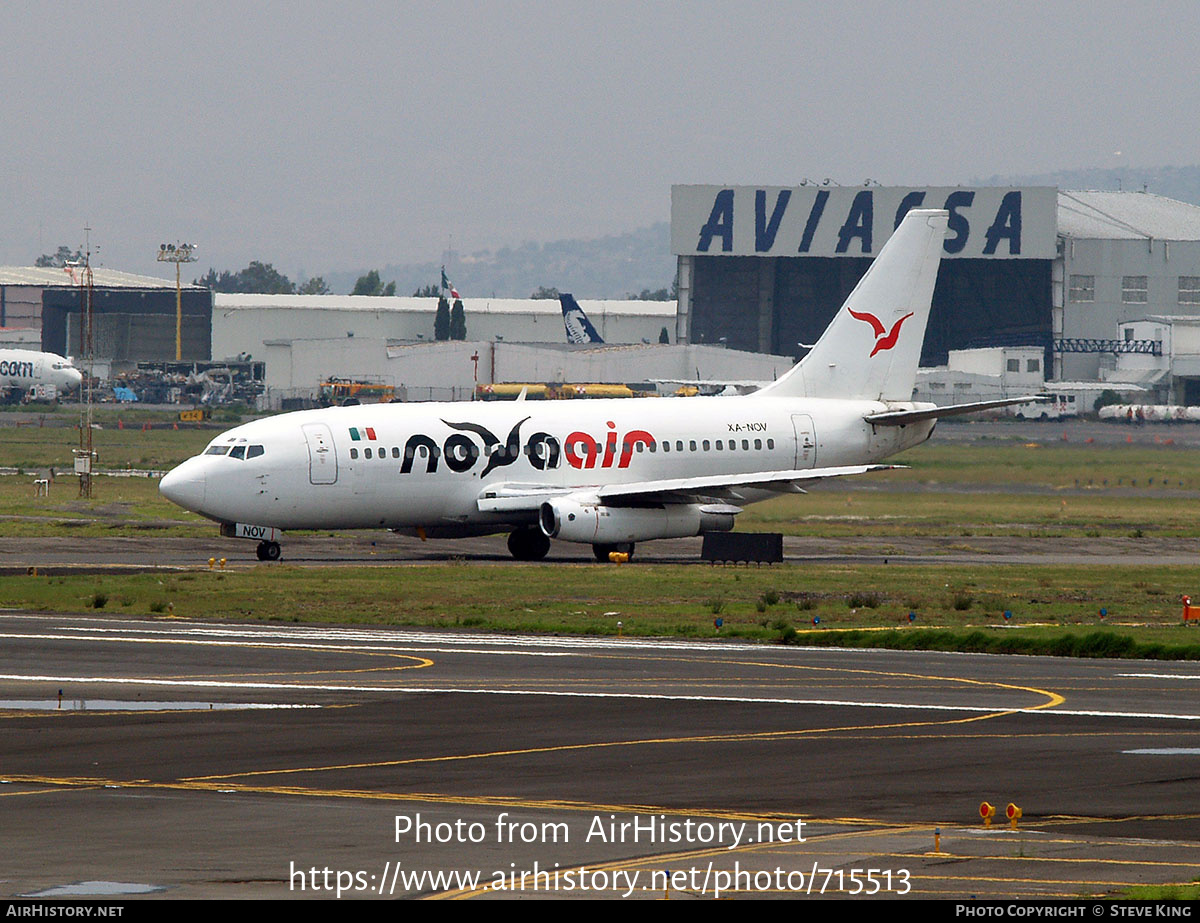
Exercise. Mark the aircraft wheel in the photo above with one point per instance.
(269, 551)
(601, 552)
(528, 544)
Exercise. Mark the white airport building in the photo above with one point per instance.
(243, 322)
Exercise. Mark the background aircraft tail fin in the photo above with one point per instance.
(579, 328)
(872, 347)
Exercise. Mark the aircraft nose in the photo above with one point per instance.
(185, 485)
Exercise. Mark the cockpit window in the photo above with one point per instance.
(254, 451)
(216, 450)
(238, 451)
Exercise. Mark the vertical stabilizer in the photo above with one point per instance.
(579, 328)
(872, 347)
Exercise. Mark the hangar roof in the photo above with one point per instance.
(1126, 216)
(239, 302)
(51, 276)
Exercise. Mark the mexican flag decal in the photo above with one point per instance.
(359, 433)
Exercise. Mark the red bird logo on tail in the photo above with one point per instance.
(884, 338)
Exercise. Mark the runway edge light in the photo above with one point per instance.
(987, 812)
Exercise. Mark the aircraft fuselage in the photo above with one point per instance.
(426, 465)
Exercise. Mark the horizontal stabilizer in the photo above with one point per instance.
(903, 417)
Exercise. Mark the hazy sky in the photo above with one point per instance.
(335, 136)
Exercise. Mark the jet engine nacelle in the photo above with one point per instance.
(609, 525)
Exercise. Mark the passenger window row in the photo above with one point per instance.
(381, 453)
(704, 445)
(718, 445)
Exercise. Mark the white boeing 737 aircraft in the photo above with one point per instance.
(607, 473)
(24, 369)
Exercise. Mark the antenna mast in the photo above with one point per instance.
(85, 455)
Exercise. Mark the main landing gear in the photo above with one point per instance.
(268, 551)
(602, 551)
(528, 544)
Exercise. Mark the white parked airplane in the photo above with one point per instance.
(23, 369)
(603, 472)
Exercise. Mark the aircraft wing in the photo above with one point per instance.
(902, 417)
(507, 498)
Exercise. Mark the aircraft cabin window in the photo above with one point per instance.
(770, 443)
(640, 447)
(216, 450)
(745, 445)
(705, 444)
(720, 445)
(238, 451)
(254, 451)
(732, 444)
(651, 447)
(758, 445)
(354, 453)
(679, 445)
(395, 451)
(367, 453)
(692, 444)
(666, 445)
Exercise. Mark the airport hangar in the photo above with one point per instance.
(764, 268)
(133, 316)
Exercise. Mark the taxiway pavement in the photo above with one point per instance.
(212, 760)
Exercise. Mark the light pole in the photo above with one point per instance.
(177, 254)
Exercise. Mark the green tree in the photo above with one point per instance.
(441, 321)
(215, 282)
(646, 295)
(264, 279)
(314, 286)
(257, 278)
(543, 292)
(427, 291)
(60, 258)
(458, 321)
(371, 284)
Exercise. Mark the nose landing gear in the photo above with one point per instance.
(268, 551)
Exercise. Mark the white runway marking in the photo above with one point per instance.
(392, 641)
(466, 690)
(1166, 751)
(1157, 676)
